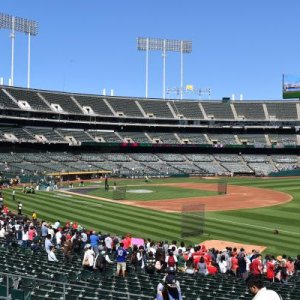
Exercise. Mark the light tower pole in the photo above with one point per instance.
(164, 45)
(21, 25)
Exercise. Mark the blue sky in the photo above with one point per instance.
(239, 47)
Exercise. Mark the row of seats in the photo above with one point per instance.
(59, 135)
(140, 164)
(42, 278)
(14, 98)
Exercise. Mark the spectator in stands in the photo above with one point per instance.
(51, 254)
(190, 269)
(169, 288)
(234, 263)
(141, 258)
(94, 240)
(202, 266)
(223, 266)
(256, 287)
(88, 258)
(101, 261)
(297, 264)
(242, 264)
(256, 266)
(150, 263)
(48, 243)
(67, 250)
(171, 260)
(270, 264)
(121, 260)
(181, 264)
(290, 266)
(108, 243)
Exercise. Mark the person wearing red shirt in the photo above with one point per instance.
(256, 265)
(212, 270)
(234, 263)
(270, 268)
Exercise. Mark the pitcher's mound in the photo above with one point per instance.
(220, 245)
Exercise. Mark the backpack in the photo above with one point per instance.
(133, 259)
(171, 261)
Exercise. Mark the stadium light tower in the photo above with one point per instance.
(164, 45)
(29, 27)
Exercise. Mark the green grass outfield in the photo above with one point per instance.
(157, 192)
(251, 226)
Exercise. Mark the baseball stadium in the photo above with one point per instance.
(83, 176)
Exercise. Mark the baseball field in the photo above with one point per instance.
(249, 213)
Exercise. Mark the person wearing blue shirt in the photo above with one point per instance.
(94, 241)
(121, 254)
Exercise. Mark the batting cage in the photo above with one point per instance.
(192, 220)
(222, 188)
(119, 192)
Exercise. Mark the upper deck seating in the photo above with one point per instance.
(282, 110)
(125, 106)
(6, 102)
(218, 110)
(136, 137)
(31, 97)
(284, 139)
(48, 133)
(63, 100)
(156, 108)
(187, 109)
(249, 110)
(224, 139)
(108, 137)
(258, 140)
(96, 103)
(164, 137)
(79, 135)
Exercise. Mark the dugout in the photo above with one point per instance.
(85, 175)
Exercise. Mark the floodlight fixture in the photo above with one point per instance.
(164, 45)
(14, 24)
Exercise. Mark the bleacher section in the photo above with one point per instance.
(187, 110)
(249, 111)
(193, 138)
(163, 137)
(218, 110)
(49, 133)
(135, 137)
(63, 100)
(282, 110)
(30, 97)
(6, 102)
(95, 103)
(126, 107)
(156, 109)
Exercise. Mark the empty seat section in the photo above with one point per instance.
(282, 110)
(156, 108)
(187, 109)
(218, 110)
(224, 139)
(30, 97)
(48, 133)
(63, 100)
(109, 137)
(258, 140)
(6, 102)
(79, 135)
(193, 138)
(250, 110)
(163, 137)
(124, 106)
(284, 139)
(137, 137)
(97, 104)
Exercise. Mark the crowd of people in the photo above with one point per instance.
(99, 250)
